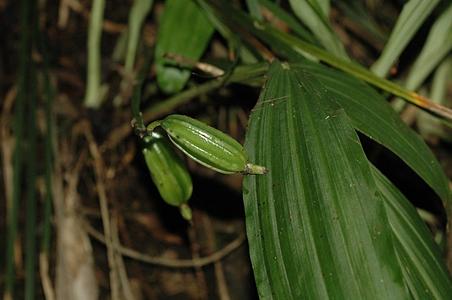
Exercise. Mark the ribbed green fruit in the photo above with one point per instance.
(168, 172)
(207, 145)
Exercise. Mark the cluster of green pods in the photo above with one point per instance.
(168, 172)
(207, 145)
(202, 143)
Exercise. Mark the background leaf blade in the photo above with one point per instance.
(314, 14)
(180, 19)
(411, 18)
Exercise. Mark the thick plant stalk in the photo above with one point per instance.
(75, 277)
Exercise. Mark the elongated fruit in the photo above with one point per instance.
(207, 145)
(168, 172)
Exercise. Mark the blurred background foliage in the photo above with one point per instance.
(80, 216)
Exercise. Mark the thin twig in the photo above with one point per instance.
(75, 272)
(64, 10)
(74, 5)
(223, 292)
(195, 247)
(169, 262)
(186, 62)
(122, 272)
(47, 287)
(7, 144)
(98, 168)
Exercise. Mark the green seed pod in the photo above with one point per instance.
(207, 145)
(168, 172)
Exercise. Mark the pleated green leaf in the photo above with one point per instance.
(423, 270)
(372, 115)
(316, 223)
(183, 30)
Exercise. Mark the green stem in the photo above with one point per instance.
(93, 96)
(251, 169)
(152, 126)
(137, 16)
(241, 74)
(137, 92)
(250, 74)
(186, 212)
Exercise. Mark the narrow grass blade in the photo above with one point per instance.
(175, 35)
(232, 39)
(49, 94)
(356, 11)
(317, 214)
(437, 46)
(314, 14)
(254, 9)
(291, 21)
(31, 213)
(18, 158)
(428, 126)
(411, 18)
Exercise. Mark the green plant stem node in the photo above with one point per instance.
(251, 169)
(186, 212)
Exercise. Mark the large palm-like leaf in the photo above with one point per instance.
(317, 223)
